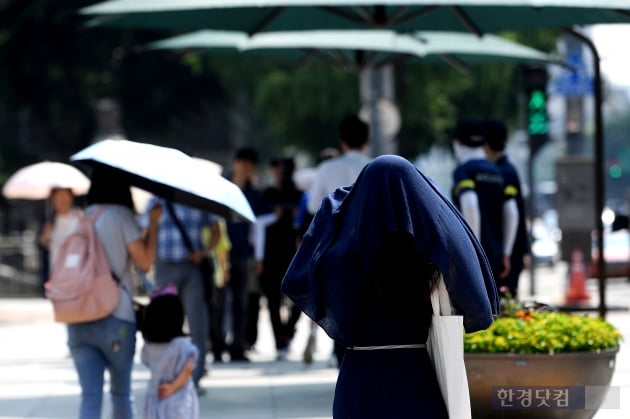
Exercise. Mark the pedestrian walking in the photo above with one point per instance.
(243, 285)
(495, 139)
(365, 271)
(277, 240)
(109, 343)
(63, 221)
(218, 308)
(170, 356)
(480, 193)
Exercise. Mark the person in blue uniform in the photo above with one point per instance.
(480, 194)
(364, 272)
(495, 138)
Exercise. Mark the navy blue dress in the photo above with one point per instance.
(390, 383)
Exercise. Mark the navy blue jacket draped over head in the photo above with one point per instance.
(330, 273)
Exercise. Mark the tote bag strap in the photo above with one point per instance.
(440, 301)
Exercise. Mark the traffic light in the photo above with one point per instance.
(537, 121)
(535, 79)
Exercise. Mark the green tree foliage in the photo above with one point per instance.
(174, 100)
(53, 68)
(290, 106)
(39, 77)
(432, 97)
(299, 106)
(305, 104)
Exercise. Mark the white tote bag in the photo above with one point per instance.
(446, 350)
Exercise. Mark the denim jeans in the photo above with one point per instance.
(109, 344)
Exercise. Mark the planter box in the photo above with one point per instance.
(488, 371)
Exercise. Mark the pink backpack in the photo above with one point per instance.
(82, 287)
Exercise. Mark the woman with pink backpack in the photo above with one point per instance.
(109, 343)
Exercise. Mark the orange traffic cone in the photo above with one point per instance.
(577, 278)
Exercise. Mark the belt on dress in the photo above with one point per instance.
(378, 348)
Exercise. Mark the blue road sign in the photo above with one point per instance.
(574, 81)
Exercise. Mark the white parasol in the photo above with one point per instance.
(171, 174)
(35, 181)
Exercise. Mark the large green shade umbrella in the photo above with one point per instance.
(360, 48)
(479, 16)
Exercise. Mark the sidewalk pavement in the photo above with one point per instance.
(37, 379)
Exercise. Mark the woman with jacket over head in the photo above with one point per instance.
(365, 271)
(109, 343)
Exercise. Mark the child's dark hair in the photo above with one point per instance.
(163, 319)
(402, 275)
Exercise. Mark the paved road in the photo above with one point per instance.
(37, 379)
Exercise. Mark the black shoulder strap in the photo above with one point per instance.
(180, 227)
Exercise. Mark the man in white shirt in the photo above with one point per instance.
(343, 170)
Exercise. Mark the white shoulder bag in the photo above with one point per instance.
(446, 350)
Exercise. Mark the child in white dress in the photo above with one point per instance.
(171, 358)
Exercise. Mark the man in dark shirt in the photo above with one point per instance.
(495, 138)
(479, 193)
(243, 282)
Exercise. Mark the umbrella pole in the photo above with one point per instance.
(599, 168)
